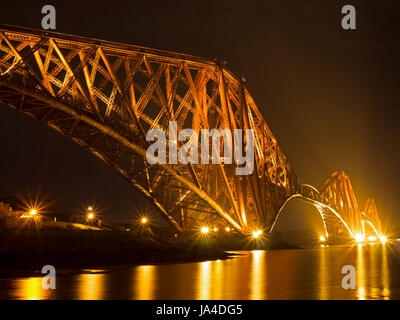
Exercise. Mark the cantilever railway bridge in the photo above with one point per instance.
(106, 96)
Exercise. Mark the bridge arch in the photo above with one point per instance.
(332, 220)
(299, 204)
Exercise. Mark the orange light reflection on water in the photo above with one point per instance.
(91, 286)
(279, 274)
(31, 289)
(144, 282)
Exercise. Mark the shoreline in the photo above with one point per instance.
(26, 252)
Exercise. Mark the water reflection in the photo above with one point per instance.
(258, 272)
(360, 268)
(219, 278)
(144, 282)
(30, 289)
(373, 273)
(204, 280)
(373, 283)
(279, 274)
(323, 273)
(91, 286)
(385, 273)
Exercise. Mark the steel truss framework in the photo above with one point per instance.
(106, 96)
(338, 205)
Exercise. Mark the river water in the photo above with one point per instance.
(278, 274)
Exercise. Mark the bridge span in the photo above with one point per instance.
(106, 96)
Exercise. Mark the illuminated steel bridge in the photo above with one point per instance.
(106, 96)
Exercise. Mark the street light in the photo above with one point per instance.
(383, 239)
(33, 212)
(90, 216)
(144, 220)
(205, 230)
(359, 237)
(256, 234)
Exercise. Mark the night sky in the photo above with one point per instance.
(329, 95)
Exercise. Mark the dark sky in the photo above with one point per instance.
(330, 96)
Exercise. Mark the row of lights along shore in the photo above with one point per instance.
(34, 213)
(360, 238)
(256, 234)
(90, 215)
(206, 230)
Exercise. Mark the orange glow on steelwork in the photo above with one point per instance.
(381, 237)
(203, 79)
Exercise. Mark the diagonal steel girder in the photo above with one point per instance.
(126, 142)
(84, 77)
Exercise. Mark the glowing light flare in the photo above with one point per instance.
(383, 239)
(371, 238)
(144, 220)
(227, 229)
(322, 239)
(205, 230)
(256, 234)
(90, 216)
(215, 229)
(31, 213)
(34, 207)
(359, 237)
